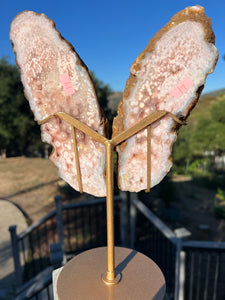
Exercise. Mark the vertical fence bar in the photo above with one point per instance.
(191, 276)
(200, 254)
(133, 216)
(182, 275)
(207, 277)
(45, 234)
(58, 202)
(39, 251)
(16, 254)
(23, 251)
(56, 255)
(177, 267)
(32, 249)
(216, 276)
(69, 230)
(83, 227)
(124, 219)
(90, 228)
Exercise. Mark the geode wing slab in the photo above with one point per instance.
(168, 75)
(56, 80)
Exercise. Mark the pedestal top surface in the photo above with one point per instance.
(81, 278)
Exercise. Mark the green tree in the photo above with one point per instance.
(103, 91)
(209, 133)
(182, 150)
(19, 134)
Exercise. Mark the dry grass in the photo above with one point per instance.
(195, 207)
(29, 182)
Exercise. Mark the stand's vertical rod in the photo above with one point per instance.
(110, 275)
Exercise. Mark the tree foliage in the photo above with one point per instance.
(103, 91)
(208, 134)
(210, 131)
(182, 149)
(18, 131)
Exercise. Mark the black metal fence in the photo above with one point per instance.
(31, 247)
(205, 271)
(82, 227)
(151, 242)
(193, 270)
(35, 247)
(40, 288)
(85, 227)
(154, 239)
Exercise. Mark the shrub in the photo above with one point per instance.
(219, 204)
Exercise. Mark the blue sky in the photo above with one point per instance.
(109, 35)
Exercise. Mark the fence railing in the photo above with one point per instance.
(193, 270)
(157, 241)
(32, 246)
(39, 288)
(204, 270)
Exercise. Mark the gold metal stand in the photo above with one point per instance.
(110, 277)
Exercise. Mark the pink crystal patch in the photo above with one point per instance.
(67, 84)
(182, 87)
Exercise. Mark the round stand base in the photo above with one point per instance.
(140, 277)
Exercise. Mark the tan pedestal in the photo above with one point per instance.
(81, 278)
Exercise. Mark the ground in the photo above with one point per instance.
(188, 205)
(30, 183)
(195, 207)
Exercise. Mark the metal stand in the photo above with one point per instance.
(110, 278)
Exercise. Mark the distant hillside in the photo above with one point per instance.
(202, 107)
(212, 94)
(114, 100)
(204, 104)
